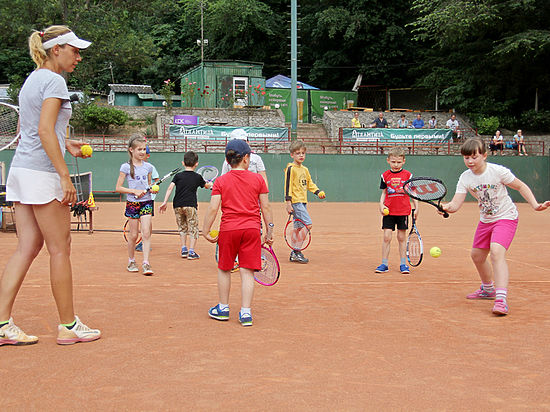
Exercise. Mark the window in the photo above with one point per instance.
(240, 88)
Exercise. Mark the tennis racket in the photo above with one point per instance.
(415, 247)
(125, 230)
(208, 173)
(427, 189)
(270, 272)
(166, 176)
(297, 235)
(9, 124)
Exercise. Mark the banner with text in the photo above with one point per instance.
(388, 135)
(223, 132)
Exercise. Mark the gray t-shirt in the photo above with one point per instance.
(39, 86)
(139, 181)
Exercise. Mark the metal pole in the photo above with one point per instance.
(293, 68)
(202, 31)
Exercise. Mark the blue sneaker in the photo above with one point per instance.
(246, 319)
(193, 255)
(404, 269)
(381, 269)
(218, 314)
(184, 252)
(139, 247)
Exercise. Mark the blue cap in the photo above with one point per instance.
(238, 146)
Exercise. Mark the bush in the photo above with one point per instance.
(536, 121)
(487, 125)
(93, 117)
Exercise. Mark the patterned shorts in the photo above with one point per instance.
(187, 220)
(134, 210)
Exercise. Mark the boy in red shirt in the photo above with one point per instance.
(398, 203)
(241, 194)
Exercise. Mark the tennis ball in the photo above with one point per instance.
(155, 188)
(435, 252)
(386, 211)
(86, 150)
(213, 233)
(321, 195)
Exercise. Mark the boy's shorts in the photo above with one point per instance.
(501, 232)
(300, 212)
(246, 243)
(390, 222)
(135, 210)
(187, 220)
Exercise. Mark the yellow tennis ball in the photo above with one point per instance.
(435, 252)
(213, 233)
(155, 188)
(386, 211)
(321, 195)
(86, 150)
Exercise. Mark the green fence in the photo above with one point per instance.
(345, 178)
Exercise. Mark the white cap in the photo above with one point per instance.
(238, 134)
(67, 38)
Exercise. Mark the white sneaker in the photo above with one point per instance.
(79, 333)
(11, 334)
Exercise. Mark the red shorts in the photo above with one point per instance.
(501, 232)
(246, 243)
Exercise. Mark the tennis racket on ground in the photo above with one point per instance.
(297, 235)
(208, 173)
(166, 176)
(427, 189)
(270, 272)
(415, 247)
(9, 124)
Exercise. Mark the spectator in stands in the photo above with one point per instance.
(355, 120)
(432, 123)
(380, 122)
(402, 123)
(518, 139)
(453, 124)
(497, 143)
(418, 123)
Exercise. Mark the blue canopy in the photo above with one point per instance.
(283, 82)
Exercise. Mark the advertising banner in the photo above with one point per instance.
(388, 135)
(223, 132)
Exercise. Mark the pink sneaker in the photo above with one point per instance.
(481, 294)
(500, 308)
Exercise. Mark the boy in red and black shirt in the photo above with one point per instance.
(398, 208)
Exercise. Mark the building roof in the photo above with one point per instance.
(283, 82)
(131, 88)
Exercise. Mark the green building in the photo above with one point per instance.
(222, 83)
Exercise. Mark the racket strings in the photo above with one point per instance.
(426, 189)
(8, 121)
(269, 272)
(414, 249)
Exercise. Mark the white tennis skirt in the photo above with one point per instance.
(33, 187)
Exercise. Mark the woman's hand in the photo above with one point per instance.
(69, 191)
(75, 147)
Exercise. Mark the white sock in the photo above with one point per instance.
(490, 287)
(223, 306)
(501, 294)
(245, 311)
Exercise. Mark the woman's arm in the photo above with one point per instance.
(528, 195)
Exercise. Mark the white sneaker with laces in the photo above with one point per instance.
(11, 334)
(79, 333)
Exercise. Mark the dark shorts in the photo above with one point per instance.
(135, 210)
(389, 222)
(246, 243)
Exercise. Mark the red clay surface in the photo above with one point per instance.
(331, 335)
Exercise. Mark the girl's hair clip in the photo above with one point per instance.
(41, 33)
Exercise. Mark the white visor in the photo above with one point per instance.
(67, 38)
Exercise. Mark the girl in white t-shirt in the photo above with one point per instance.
(487, 182)
(139, 203)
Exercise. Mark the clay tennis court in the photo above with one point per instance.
(331, 335)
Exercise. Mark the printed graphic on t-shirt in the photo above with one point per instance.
(486, 195)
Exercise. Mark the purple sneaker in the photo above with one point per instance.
(500, 308)
(482, 294)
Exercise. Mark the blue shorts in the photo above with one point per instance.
(135, 210)
(300, 212)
